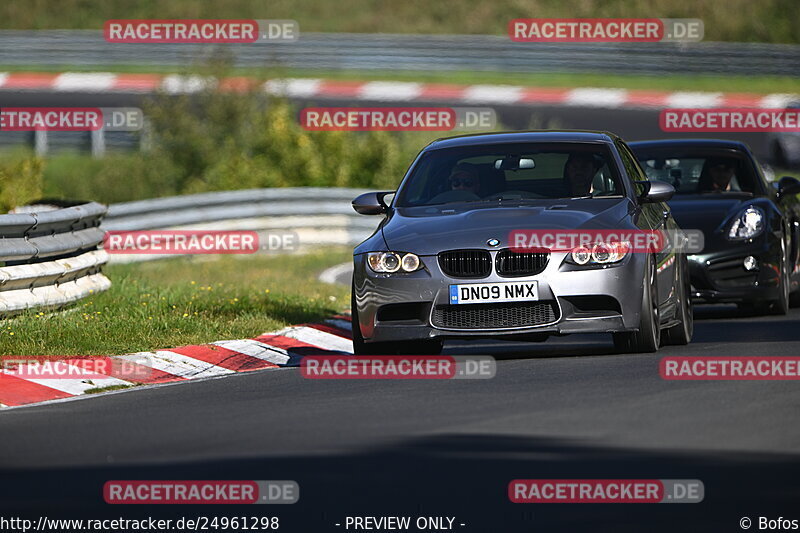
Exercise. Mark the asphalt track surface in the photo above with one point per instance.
(565, 408)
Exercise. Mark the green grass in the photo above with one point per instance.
(732, 20)
(183, 301)
(99, 390)
(662, 82)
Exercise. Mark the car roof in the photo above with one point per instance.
(523, 137)
(700, 143)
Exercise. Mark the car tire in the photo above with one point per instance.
(681, 334)
(360, 347)
(648, 337)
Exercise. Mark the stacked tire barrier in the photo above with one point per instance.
(317, 216)
(51, 257)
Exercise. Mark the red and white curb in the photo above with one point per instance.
(284, 348)
(389, 91)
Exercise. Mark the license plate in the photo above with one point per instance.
(481, 293)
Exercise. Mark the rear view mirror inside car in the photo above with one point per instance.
(514, 163)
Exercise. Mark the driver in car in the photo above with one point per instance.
(464, 178)
(717, 176)
(579, 171)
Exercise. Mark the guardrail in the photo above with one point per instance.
(51, 257)
(358, 51)
(317, 215)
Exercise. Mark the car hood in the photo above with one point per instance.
(706, 212)
(428, 230)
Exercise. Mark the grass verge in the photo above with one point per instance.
(99, 390)
(184, 301)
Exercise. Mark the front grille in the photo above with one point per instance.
(731, 274)
(491, 316)
(465, 263)
(512, 264)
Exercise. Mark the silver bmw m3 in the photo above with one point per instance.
(520, 236)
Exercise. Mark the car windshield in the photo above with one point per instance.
(698, 171)
(512, 172)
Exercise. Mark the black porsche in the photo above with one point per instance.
(751, 226)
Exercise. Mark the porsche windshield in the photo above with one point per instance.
(699, 171)
(499, 172)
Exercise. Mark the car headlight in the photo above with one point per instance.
(600, 253)
(747, 224)
(388, 262)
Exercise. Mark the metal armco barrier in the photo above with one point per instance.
(411, 52)
(51, 257)
(318, 215)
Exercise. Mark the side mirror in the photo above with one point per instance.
(371, 203)
(657, 191)
(788, 186)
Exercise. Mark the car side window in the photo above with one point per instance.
(632, 168)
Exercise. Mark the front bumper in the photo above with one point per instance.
(395, 307)
(720, 276)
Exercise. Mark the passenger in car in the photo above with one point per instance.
(716, 176)
(579, 170)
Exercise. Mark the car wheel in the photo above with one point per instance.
(681, 334)
(648, 338)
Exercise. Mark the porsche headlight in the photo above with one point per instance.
(600, 253)
(747, 224)
(389, 262)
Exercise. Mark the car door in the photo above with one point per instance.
(654, 216)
